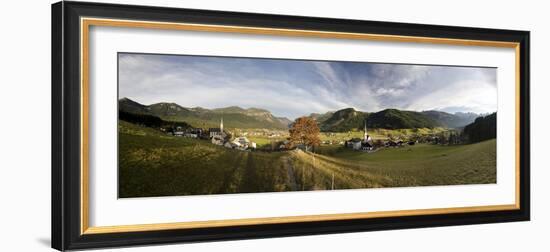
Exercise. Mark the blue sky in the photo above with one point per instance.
(293, 88)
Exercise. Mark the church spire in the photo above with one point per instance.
(366, 136)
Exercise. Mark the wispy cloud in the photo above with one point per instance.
(294, 88)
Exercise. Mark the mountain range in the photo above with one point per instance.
(234, 117)
(336, 121)
(349, 118)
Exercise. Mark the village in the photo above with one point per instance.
(218, 136)
(278, 141)
(368, 144)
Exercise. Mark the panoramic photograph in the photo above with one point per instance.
(201, 125)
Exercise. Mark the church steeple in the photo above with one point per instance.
(365, 136)
(221, 124)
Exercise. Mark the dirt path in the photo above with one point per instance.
(290, 172)
(249, 180)
(230, 176)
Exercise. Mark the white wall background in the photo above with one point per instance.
(25, 125)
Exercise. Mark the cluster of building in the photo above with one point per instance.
(191, 132)
(217, 136)
(367, 143)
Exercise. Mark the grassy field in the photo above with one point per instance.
(262, 141)
(154, 164)
(419, 165)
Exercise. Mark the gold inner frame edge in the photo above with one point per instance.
(85, 24)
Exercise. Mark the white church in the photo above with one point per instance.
(217, 135)
(364, 144)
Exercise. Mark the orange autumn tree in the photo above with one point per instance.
(304, 131)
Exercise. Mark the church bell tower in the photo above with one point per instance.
(365, 135)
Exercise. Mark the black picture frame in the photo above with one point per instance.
(66, 141)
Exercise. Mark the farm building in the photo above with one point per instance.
(196, 131)
(391, 143)
(355, 143)
(230, 145)
(241, 140)
(191, 135)
(218, 140)
(366, 146)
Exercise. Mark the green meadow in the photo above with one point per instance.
(339, 137)
(152, 163)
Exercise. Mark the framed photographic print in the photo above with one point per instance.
(180, 125)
